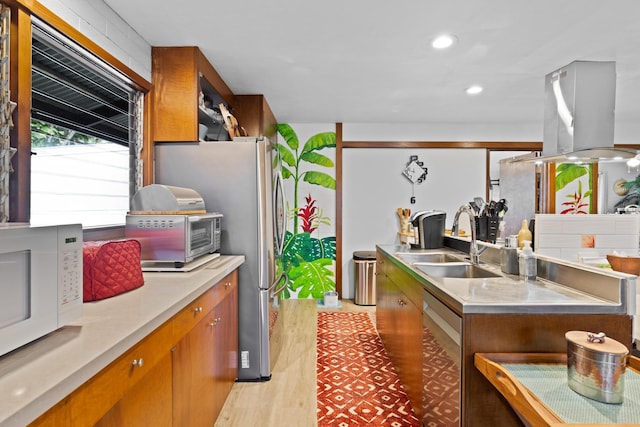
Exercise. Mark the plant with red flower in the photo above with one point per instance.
(577, 203)
(308, 215)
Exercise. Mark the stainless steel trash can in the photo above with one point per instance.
(364, 271)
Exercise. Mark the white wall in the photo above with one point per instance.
(103, 26)
(373, 187)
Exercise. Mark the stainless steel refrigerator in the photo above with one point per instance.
(237, 179)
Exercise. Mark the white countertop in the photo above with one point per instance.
(36, 376)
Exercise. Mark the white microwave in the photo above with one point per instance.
(40, 281)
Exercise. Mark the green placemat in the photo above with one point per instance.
(549, 384)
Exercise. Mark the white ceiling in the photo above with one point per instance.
(369, 61)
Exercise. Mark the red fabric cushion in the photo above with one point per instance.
(110, 268)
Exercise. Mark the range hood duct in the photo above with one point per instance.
(579, 113)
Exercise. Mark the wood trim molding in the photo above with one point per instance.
(627, 146)
(339, 209)
(20, 84)
(487, 175)
(147, 147)
(493, 145)
(37, 9)
(551, 193)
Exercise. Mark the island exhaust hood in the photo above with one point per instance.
(579, 114)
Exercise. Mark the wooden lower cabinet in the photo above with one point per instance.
(399, 324)
(194, 379)
(148, 402)
(178, 375)
(226, 362)
(205, 362)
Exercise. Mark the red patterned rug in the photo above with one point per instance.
(441, 379)
(357, 384)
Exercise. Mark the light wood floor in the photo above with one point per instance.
(289, 398)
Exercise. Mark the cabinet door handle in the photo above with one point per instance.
(138, 362)
(401, 302)
(227, 285)
(197, 310)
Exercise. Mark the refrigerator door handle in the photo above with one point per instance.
(277, 288)
(280, 214)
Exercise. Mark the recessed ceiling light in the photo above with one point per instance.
(444, 41)
(473, 90)
(633, 162)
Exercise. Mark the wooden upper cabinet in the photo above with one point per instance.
(178, 76)
(255, 115)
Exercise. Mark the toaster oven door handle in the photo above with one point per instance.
(196, 218)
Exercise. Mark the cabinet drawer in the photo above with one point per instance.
(224, 288)
(407, 284)
(189, 317)
(118, 390)
(95, 397)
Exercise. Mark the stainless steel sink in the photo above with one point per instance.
(454, 269)
(433, 257)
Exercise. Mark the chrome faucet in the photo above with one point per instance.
(474, 253)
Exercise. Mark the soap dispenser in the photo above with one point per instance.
(528, 265)
(509, 262)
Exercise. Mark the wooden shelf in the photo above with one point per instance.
(528, 405)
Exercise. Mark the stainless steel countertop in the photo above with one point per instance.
(510, 294)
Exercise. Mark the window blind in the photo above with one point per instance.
(76, 92)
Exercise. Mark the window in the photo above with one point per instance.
(84, 138)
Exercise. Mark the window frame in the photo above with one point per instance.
(20, 86)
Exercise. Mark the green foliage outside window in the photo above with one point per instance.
(45, 134)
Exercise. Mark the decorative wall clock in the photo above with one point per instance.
(415, 172)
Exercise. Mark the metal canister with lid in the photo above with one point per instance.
(596, 365)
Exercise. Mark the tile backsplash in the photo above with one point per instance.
(570, 237)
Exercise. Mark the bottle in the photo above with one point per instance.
(528, 265)
(524, 234)
(509, 257)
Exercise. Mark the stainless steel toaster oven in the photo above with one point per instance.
(175, 238)
(172, 225)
